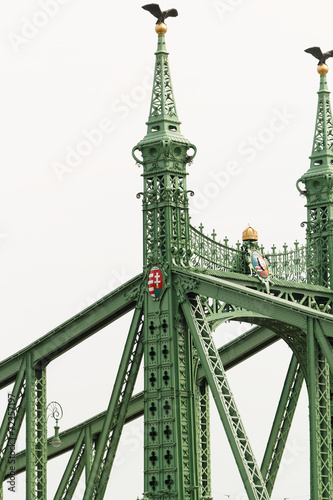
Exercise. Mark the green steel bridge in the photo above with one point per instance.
(190, 284)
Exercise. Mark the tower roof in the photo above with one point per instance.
(163, 121)
(322, 149)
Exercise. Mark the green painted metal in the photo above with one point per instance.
(319, 230)
(218, 383)
(231, 354)
(116, 412)
(319, 195)
(36, 431)
(11, 424)
(282, 424)
(204, 284)
(170, 412)
(281, 310)
(73, 471)
(171, 469)
(321, 469)
(204, 441)
(289, 264)
(75, 330)
(88, 451)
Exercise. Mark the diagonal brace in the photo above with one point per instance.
(73, 471)
(216, 377)
(116, 412)
(282, 423)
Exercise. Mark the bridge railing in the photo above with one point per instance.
(287, 264)
(211, 254)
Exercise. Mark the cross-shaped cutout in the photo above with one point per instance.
(169, 482)
(152, 379)
(152, 327)
(153, 458)
(166, 378)
(153, 409)
(167, 407)
(165, 351)
(153, 433)
(152, 353)
(164, 326)
(168, 457)
(153, 483)
(167, 432)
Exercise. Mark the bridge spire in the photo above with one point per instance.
(318, 182)
(165, 154)
(172, 468)
(163, 118)
(322, 149)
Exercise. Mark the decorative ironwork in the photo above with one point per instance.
(282, 424)
(203, 429)
(224, 399)
(289, 264)
(323, 138)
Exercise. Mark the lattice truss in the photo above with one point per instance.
(205, 283)
(162, 102)
(323, 139)
(205, 301)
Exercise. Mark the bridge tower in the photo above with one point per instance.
(190, 284)
(171, 396)
(318, 181)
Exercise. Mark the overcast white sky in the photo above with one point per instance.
(70, 229)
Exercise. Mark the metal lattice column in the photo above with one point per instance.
(171, 469)
(320, 420)
(36, 431)
(11, 425)
(204, 440)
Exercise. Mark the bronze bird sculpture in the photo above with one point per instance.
(317, 53)
(155, 9)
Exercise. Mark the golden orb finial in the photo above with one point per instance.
(161, 28)
(322, 69)
(250, 234)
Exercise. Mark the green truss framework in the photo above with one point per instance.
(202, 286)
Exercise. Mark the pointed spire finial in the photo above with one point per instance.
(322, 149)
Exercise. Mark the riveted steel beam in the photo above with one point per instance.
(116, 413)
(75, 330)
(233, 353)
(282, 423)
(73, 469)
(226, 406)
(276, 308)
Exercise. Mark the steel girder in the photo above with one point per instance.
(251, 343)
(231, 354)
(216, 377)
(75, 330)
(116, 413)
(314, 325)
(282, 424)
(321, 469)
(11, 424)
(275, 308)
(203, 430)
(73, 471)
(36, 431)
